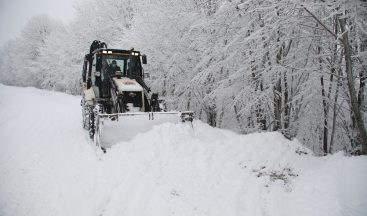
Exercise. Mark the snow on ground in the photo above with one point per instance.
(48, 166)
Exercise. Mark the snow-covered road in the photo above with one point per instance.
(48, 166)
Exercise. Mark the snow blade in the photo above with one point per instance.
(119, 127)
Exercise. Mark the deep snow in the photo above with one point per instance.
(48, 166)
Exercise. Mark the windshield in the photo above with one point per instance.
(114, 61)
(129, 66)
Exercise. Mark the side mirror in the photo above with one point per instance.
(147, 75)
(144, 59)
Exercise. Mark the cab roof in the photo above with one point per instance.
(117, 51)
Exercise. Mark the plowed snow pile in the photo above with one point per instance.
(48, 166)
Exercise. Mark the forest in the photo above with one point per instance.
(294, 66)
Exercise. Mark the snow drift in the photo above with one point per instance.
(48, 166)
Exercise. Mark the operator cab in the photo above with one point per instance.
(103, 64)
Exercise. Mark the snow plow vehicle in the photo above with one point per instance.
(117, 104)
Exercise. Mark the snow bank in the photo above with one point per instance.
(49, 167)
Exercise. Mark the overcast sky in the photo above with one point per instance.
(15, 13)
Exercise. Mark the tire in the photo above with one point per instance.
(85, 114)
(82, 103)
(88, 118)
(91, 126)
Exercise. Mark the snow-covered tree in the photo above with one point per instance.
(287, 66)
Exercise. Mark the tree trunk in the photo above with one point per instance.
(352, 92)
(258, 85)
(277, 105)
(238, 118)
(363, 79)
(362, 84)
(278, 93)
(357, 116)
(286, 102)
(334, 113)
(333, 71)
(324, 105)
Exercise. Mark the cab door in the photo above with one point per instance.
(104, 79)
(95, 77)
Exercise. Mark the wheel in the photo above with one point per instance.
(91, 126)
(85, 114)
(88, 118)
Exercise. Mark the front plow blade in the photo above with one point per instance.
(114, 128)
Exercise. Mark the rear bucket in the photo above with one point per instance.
(114, 128)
